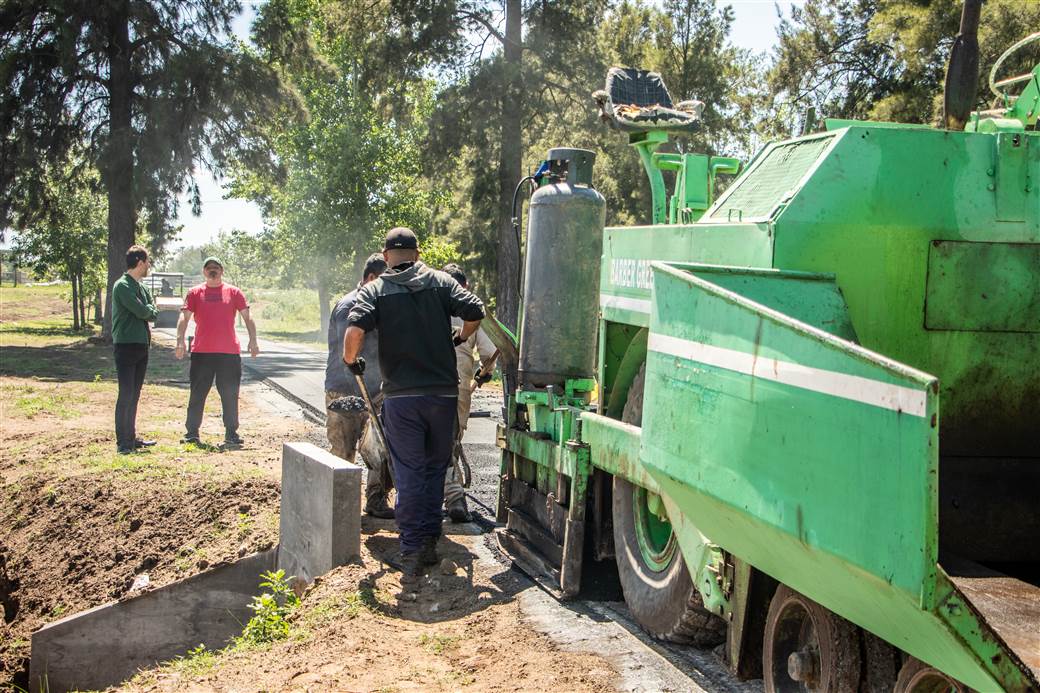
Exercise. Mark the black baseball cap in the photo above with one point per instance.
(401, 237)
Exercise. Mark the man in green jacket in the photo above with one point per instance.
(132, 310)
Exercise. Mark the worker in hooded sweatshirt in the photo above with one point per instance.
(412, 305)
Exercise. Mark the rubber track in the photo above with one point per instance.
(697, 626)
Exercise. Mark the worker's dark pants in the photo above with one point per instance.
(420, 432)
(227, 369)
(131, 364)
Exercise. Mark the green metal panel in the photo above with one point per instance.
(870, 212)
(809, 297)
(614, 385)
(626, 279)
(991, 287)
(770, 180)
(811, 458)
(614, 446)
(770, 418)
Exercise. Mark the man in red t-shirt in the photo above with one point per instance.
(215, 352)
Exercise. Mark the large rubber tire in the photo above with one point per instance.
(662, 599)
(796, 625)
(918, 677)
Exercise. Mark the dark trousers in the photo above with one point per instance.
(131, 364)
(420, 432)
(227, 369)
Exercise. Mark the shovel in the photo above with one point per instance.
(377, 427)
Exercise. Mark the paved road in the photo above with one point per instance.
(296, 369)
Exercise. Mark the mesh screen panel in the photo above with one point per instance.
(627, 85)
(767, 185)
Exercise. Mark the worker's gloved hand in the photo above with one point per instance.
(483, 378)
(358, 367)
(456, 336)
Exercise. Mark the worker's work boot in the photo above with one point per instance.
(410, 564)
(458, 512)
(379, 508)
(428, 552)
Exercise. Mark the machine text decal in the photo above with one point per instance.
(631, 273)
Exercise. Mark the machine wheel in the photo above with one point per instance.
(658, 590)
(917, 677)
(807, 647)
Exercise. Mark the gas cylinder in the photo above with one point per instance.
(561, 274)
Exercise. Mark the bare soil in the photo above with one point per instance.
(81, 523)
(360, 629)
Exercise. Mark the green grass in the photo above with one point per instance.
(12, 298)
(436, 643)
(30, 402)
(286, 314)
(34, 316)
(197, 662)
(167, 461)
(37, 333)
(330, 609)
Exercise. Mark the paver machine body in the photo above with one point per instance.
(812, 427)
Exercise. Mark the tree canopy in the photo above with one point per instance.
(342, 118)
(148, 90)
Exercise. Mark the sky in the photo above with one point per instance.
(754, 27)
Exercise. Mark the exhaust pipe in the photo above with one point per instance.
(962, 73)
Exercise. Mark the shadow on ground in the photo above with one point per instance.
(84, 361)
(450, 590)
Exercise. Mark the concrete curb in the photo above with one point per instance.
(110, 643)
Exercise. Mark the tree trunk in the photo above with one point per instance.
(509, 167)
(82, 302)
(118, 165)
(97, 307)
(75, 301)
(15, 263)
(324, 310)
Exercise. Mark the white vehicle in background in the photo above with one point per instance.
(168, 291)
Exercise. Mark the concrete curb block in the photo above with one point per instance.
(320, 523)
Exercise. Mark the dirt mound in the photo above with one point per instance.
(77, 542)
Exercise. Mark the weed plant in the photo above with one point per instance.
(271, 610)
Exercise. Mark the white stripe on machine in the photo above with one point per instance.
(638, 305)
(851, 387)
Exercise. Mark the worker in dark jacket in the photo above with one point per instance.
(132, 310)
(412, 305)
